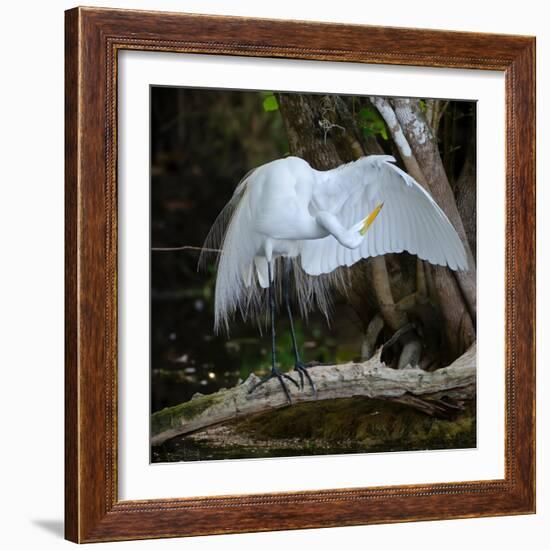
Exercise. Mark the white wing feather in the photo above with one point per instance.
(409, 221)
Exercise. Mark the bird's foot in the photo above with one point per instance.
(276, 373)
(301, 368)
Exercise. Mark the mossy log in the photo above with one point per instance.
(368, 379)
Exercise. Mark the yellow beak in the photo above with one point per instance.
(368, 220)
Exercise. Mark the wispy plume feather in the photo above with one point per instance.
(238, 290)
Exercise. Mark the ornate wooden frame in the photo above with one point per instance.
(94, 36)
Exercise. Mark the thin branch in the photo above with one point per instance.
(421, 286)
(185, 247)
(440, 114)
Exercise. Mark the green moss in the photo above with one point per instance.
(172, 416)
(365, 423)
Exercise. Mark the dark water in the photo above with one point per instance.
(184, 449)
(188, 357)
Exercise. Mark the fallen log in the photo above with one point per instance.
(368, 379)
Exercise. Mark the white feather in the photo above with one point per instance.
(287, 209)
(410, 219)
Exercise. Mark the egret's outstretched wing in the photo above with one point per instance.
(409, 221)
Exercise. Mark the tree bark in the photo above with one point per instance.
(425, 150)
(466, 196)
(412, 138)
(306, 137)
(409, 159)
(369, 379)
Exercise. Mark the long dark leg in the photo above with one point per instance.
(272, 315)
(298, 365)
(275, 372)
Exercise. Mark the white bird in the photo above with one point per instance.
(317, 221)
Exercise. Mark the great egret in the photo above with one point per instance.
(315, 220)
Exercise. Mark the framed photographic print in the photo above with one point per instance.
(300, 275)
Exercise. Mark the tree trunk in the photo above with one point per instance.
(466, 196)
(425, 150)
(415, 142)
(306, 137)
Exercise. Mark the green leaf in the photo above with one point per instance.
(367, 114)
(270, 103)
(422, 105)
(371, 123)
(367, 132)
